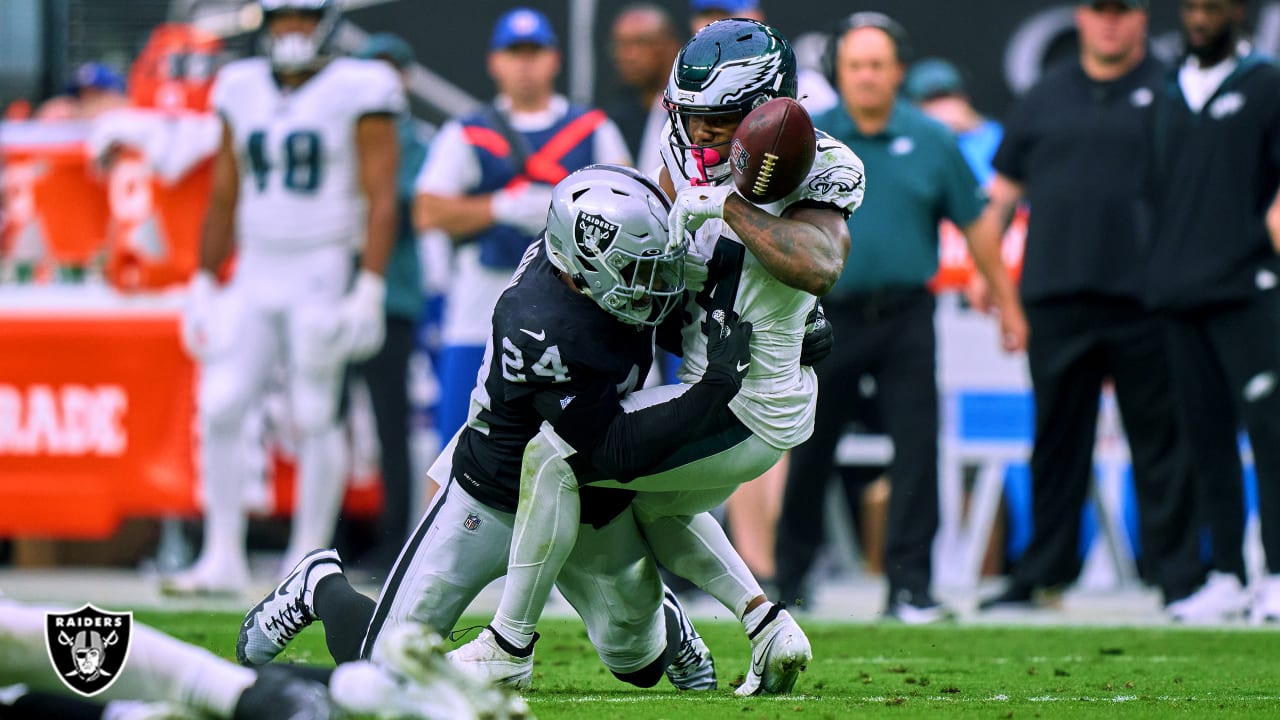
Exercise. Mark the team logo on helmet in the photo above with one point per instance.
(593, 234)
(88, 648)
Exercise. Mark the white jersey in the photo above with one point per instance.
(296, 149)
(778, 396)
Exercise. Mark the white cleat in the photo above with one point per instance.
(283, 613)
(779, 652)
(409, 676)
(208, 579)
(491, 659)
(693, 668)
(1266, 607)
(1220, 600)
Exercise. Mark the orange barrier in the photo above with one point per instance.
(95, 423)
(955, 265)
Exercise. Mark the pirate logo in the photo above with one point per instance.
(88, 648)
(593, 234)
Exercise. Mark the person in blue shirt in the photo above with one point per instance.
(937, 87)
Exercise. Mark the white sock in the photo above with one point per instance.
(161, 667)
(224, 518)
(696, 548)
(751, 620)
(322, 472)
(546, 528)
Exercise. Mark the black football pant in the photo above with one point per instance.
(888, 335)
(1075, 344)
(1226, 361)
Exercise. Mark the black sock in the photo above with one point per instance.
(348, 614)
(37, 705)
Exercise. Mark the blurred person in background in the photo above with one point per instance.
(308, 151)
(487, 184)
(815, 92)
(937, 88)
(386, 373)
(644, 45)
(882, 311)
(94, 88)
(1073, 149)
(1213, 174)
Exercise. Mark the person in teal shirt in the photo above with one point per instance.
(386, 373)
(882, 311)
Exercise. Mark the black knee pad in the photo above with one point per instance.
(647, 676)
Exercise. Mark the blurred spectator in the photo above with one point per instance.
(882, 311)
(1073, 148)
(487, 183)
(645, 44)
(387, 372)
(93, 89)
(301, 181)
(814, 91)
(1214, 271)
(936, 87)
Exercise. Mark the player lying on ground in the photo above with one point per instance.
(572, 334)
(766, 264)
(161, 677)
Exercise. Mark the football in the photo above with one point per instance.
(772, 150)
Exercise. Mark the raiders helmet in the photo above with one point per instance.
(607, 228)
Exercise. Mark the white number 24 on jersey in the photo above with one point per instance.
(549, 365)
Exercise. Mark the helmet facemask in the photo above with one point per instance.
(727, 70)
(296, 51)
(607, 229)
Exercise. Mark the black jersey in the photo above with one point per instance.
(553, 355)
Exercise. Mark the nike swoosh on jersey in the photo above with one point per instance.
(539, 336)
(743, 366)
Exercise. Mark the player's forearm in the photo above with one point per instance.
(799, 254)
(218, 237)
(639, 440)
(457, 215)
(380, 233)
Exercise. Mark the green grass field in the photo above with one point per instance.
(901, 672)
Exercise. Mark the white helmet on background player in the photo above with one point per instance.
(295, 52)
(607, 229)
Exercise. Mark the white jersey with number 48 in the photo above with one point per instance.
(778, 396)
(296, 149)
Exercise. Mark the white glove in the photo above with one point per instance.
(524, 207)
(197, 316)
(362, 318)
(695, 205)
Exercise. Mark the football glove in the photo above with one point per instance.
(694, 206)
(728, 347)
(197, 316)
(819, 338)
(362, 318)
(523, 207)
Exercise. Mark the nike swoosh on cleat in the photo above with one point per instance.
(758, 668)
(539, 336)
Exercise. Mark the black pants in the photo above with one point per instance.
(890, 337)
(1075, 344)
(386, 374)
(1226, 361)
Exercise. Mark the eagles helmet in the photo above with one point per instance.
(730, 66)
(607, 228)
(296, 52)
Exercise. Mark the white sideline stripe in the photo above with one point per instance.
(957, 699)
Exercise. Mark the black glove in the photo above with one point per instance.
(728, 348)
(819, 338)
